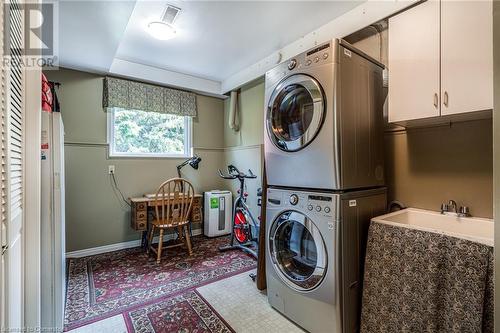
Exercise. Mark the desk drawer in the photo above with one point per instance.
(141, 215)
(196, 202)
(196, 210)
(142, 225)
(139, 225)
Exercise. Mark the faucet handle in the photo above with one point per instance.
(444, 208)
(464, 211)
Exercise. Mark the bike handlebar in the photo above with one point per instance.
(224, 176)
(234, 173)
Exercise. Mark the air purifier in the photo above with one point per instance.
(218, 212)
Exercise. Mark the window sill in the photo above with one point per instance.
(149, 156)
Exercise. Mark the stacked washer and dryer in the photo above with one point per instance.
(324, 165)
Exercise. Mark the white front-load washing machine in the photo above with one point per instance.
(324, 120)
(315, 244)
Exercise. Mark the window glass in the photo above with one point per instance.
(140, 133)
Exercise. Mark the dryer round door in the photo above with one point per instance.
(295, 112)
(297, 251)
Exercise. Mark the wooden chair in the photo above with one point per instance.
(173, 203)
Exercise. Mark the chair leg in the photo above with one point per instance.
(160, 246)
(188, 240)
(180, 230)
(150, 238)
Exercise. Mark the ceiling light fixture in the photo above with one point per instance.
(161, 30)
(164, 29)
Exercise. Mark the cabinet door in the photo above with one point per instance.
(466, 56)
(414, 63)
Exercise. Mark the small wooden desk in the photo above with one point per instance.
(140, 207)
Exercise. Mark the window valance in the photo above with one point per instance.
(121, 93)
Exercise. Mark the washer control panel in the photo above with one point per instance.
(311, 203)
(320, 204)
(322, 208)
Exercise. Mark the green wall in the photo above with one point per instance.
(95, 216)
(244, 148)
(250, 105)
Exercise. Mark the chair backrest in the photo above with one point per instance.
(174, 200)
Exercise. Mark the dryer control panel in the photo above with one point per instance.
(318, 56)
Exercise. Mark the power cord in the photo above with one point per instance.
(115, 183)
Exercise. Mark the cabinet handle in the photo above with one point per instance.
(436, 100)
(445, 99)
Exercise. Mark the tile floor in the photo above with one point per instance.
(114, 324)
(244, 307)
(236, 299)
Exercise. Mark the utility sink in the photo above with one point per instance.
(471, 228)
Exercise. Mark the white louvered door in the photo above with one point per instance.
(12, 172)
(3, 180)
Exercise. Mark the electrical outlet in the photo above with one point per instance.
(111, 169)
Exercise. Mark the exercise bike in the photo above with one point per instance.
(245, 228)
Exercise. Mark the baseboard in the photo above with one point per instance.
(117, 246)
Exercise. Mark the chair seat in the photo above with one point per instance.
(164, 224)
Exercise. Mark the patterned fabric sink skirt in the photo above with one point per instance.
(152, 297)
(417, 281)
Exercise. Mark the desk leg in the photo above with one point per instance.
(144, 240)
(145, 234)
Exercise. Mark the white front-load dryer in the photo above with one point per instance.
(324, 120)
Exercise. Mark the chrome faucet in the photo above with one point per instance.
(452, 207)
(453, 204)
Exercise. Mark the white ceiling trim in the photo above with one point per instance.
(162, 76)
(354, 20)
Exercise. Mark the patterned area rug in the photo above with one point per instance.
(152, 297)
(187, 312)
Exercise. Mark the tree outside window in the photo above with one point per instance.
(135, 133)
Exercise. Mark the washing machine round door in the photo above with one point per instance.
(295, 112)
(297, 251)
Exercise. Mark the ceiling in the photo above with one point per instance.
(215, 38)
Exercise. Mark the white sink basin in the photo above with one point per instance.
(475, 229)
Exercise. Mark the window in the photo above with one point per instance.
(135, 133)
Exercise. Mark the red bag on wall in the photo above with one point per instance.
(47, 100)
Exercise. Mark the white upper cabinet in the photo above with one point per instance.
(414, 63)
(441, 60)
(466, 56)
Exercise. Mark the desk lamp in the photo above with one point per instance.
(193, 162)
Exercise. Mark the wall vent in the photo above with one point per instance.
(170, 14)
